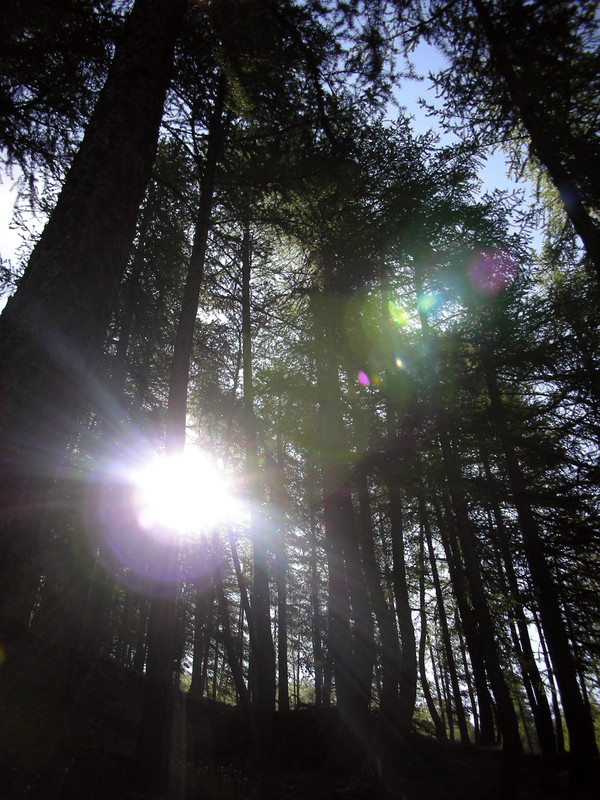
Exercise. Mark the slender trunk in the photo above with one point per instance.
(262, 652)
(279, 503)
(440, 729)
(317, 622)
(390, 645)
(152, 752)
(531, 675)
(408, 667)
(467, 674)
(558, 722)
(184, 339)
(582, 741)
(460, 712)
(203, 630)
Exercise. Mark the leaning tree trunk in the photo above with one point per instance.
(52, 330)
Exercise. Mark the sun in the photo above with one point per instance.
(187, 494)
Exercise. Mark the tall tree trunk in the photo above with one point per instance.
(582, 741)
(408, 667)
(52, 330)
(315, 605)
(278, 501)
(262, 652)
(507, 717)
(390, 645)
(152, 752)
(532, 678)
(350, 628)
(460, 712)
(438, 724)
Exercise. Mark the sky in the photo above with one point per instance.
(425, 59)
(9, 239)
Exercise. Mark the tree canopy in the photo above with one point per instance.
(293, 414)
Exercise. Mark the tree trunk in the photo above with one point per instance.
(438, 724)
(262, 652)
(408, 667)
(582, 741)
(531, 675)
(460, 712)
(278, 501)
(390, 644)
(315, 605)
(350, 628)
(151, 763)
(52, 330)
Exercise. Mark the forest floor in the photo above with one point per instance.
(72, 742)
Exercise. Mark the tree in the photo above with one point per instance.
(52, 330)
(528, 69)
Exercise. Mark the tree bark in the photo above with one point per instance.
(52, 330)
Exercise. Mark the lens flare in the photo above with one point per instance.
(363, 379)
(398, 314)
(491, 271)
(427, 302)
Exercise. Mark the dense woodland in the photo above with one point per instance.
(248, 248)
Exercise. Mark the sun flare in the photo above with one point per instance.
(188, 494)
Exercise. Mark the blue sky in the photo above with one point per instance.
(425, 59)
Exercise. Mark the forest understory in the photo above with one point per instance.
(61, 742)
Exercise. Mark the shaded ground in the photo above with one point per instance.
(60, 741)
